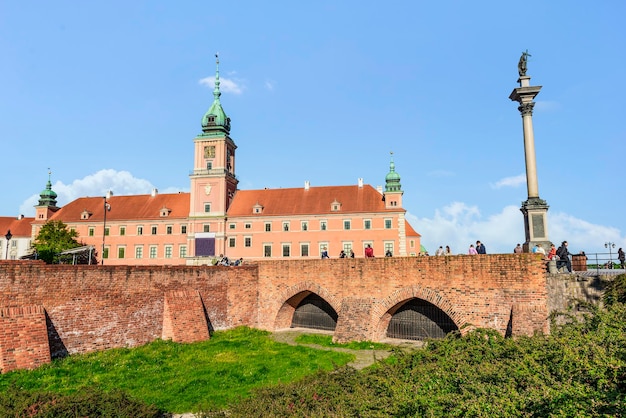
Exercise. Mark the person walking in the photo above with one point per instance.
(621, 257)
(564, 260)
(480, 248)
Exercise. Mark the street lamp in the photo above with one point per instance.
(610, 245)
(8, 236)
(107, 208)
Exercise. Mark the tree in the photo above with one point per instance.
(53, 238)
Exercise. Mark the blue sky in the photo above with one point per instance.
(109, 95)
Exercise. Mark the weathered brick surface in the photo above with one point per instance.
(99, 307)
(23, 338)
(184, 320)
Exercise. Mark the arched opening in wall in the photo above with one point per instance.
(314, 312)
(417, 319)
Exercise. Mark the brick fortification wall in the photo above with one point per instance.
(90, 308)
(505, 292)
(87, 308)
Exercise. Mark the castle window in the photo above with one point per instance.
(231, 226)
(207, 207)
(121, 252)
(106, 232)
(168, 251)
(140, 230)
(105, 253)
(304, 250)
(286, 226)
(248, 226)
(139, 251)
(247, 241)
(153, 251)
(154, 230)
(267, 250)
(168, 230)
(367, 224)
(231, 242)
(91, 232)
(182, 251)
(286, 250)
(323, 225)
(305, 226)
(122, 231)
(268, 227)
(205, 228)
(387, 223)
(183, 229)
(346, 225)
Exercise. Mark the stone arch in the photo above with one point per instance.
(292, 296)
(384, 309)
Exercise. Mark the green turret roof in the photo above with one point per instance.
(392, 180)
(215, 118)
(48, 197)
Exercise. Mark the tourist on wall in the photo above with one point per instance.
(564, 260)
(324, 253)
(439, 251)
(480, 248)
(388, 253)
(552, 253)
(351, 253)
(540, 250)
(472, 250)
(342, 254)
(448, 251)
(369, 251)
(518, 249)
(621, 257)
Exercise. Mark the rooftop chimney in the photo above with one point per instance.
(380, 189)
(307, 185)
(109, 194)
(360, 182)
(155, 192)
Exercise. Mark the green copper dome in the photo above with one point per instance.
(48, 197)
(215, 118)
(392, 180)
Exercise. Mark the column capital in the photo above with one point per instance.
(526, 109)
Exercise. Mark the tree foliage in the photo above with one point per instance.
(53, 238)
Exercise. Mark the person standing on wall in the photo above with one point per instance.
(621, 257)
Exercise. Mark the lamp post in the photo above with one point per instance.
(8, 236)
(107, 208)
(610, 245)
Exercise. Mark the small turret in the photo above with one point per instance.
(215, 118)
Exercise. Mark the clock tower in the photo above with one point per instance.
(213, 181)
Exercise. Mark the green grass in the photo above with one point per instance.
(327, 341)
(182, 377)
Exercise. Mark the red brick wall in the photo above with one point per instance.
(475, 291)
(99, 307)
(23, 338)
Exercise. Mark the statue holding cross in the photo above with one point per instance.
(522, 65)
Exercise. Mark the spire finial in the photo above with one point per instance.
(216, 90)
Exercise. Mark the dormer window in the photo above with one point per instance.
(335, 206)
(85, 215)
(257, 209)
(164, 212)
(212, 120)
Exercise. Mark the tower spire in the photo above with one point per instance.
(392, 180)
(215, 118)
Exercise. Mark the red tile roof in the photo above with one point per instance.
(19, 227)
(315, 200)
(410, 232)
(135, 207)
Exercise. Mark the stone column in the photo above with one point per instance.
(534, 208)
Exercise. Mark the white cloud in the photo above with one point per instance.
(547, 105)
(514, 181)
(269, 85)
(227, 85)
(459, 225)
(97, 184)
